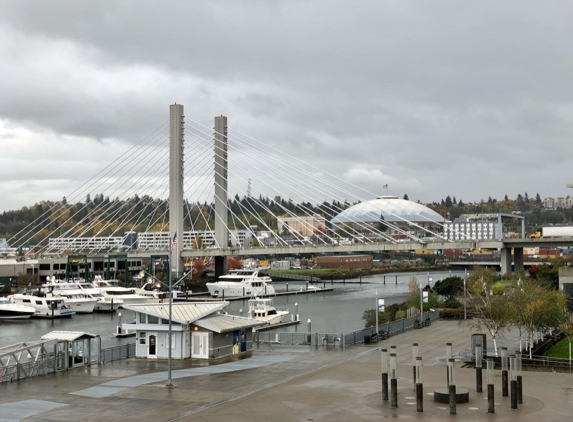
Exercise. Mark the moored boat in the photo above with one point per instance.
(45, 307)
(264, 310)
(9, 310)
(241, 284)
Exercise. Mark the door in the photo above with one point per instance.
(200, 345)
(152, 346)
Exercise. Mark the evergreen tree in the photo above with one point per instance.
(88, 199)
(65, 201)
(506, 198)
(448, 201)
(406, 197)
(538, 199)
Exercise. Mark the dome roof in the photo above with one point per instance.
(393, 209)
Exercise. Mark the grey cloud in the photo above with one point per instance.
(418, 90)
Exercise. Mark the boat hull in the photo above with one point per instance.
(82, 307)
(15, 315)
(275, 319)
(219, 289)
(58, 313)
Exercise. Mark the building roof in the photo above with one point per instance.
(183, 313)
(67, 335)
(393, 209)
(224, 323)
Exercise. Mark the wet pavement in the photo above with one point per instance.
(280, 383)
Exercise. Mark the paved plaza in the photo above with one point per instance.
(281, 383)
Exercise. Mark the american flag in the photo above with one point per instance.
(173, 243)
(385, 186)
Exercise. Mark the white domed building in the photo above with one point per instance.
(397, 212)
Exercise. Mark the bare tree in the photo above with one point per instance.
(487, 305)
(536, 308)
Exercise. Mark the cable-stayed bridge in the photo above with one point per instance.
(190, 190)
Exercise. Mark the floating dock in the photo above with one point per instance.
(199, 297)
(273, 326)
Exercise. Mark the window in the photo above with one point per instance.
(142, 319)
(45, 267)
(142, 336)
(38, 302)
(152, 319)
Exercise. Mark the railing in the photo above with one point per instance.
(28, 369)
(367, 335)
(117, 352)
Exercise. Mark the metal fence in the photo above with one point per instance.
(366, 335)
(29, 369)
(117, 352)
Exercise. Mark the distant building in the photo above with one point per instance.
(303, 225)
(472, 226)
(85, 243)
(345, 261)
(560, 202)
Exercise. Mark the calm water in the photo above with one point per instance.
(339, 311)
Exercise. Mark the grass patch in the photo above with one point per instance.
(560, 350)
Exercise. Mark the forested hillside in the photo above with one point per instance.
(101, 216)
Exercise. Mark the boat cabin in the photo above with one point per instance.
(199, 330)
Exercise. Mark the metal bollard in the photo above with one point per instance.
(384, 368)
(393, 380)
(490, 387)
(452, 393)
(419, 386)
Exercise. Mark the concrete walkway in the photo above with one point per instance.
(280, 384)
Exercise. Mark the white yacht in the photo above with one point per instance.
(241, 284)
(112, 289)
(9, 310)
(78, 301)
(104, 303)
(264, 310)
(73, 296)
(46, 307)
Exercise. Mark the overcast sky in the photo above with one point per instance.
(434, 98)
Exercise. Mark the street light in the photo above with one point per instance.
(465, 299)
(170, 287)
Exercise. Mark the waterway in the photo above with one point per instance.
(337, 311)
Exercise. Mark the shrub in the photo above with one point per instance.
(456, 313)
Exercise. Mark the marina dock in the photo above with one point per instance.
(199, 297)
(274, 326)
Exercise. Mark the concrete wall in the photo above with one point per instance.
(221, 345)
(566, 280)
(182, 348)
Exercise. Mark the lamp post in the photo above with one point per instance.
(170, 286)
(465, 309)
(376, 312)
